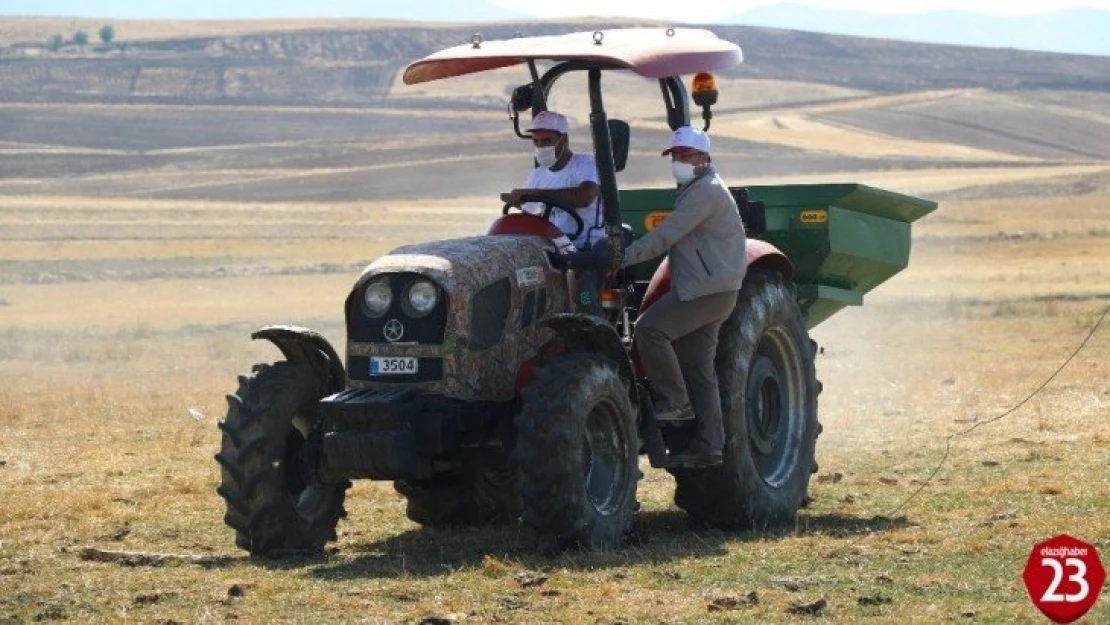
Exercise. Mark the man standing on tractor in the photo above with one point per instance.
(705, 244)
(565, 178)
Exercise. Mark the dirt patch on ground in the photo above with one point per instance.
(276, 154)
(998, 122)
(1096, 183)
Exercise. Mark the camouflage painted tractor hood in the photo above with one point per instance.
(461, 264)
(469, 270)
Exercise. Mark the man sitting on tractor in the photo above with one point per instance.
(564, 178)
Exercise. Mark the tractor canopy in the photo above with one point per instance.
(649, 52)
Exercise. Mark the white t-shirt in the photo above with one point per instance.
(580, 168)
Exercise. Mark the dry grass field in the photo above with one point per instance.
(141, 244)
(123, 322)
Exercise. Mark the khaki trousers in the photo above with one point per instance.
(677, 342)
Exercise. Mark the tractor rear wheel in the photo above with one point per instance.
(274, 501)
(768, 393)
(577, 453)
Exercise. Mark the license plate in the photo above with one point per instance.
(392, 365)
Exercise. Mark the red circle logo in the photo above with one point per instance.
(1064, 577)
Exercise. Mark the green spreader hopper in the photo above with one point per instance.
(843, 239)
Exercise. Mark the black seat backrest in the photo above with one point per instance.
(752, 213)
(619, 134)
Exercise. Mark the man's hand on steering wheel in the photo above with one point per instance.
(515, 197)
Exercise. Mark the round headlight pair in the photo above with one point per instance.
(419, 299)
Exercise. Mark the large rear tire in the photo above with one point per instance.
(768, 390)
(274, 501)
(577, 453)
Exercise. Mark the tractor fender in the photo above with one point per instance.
(586, 333)
(763, 255)
(301, 345)
(577, 333)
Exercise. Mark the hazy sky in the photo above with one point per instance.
(708, 10)
(695, 11)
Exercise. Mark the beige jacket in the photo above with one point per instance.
(703, 238)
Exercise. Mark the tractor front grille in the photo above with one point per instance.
(426, 330)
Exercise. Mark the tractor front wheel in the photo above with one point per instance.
(275, 503)
(577, 454)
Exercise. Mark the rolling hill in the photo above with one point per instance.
(320, 114)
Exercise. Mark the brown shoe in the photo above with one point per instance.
(685, 413)
(694, 459)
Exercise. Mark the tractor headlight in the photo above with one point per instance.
(378, 297)
(422, 297)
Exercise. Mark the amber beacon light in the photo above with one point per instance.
(704, 88)
(704, 92)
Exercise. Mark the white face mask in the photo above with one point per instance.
(546, 156)
(683, 172)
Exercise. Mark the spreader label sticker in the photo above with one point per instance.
(529, 276)
(815, 216)
(654, 218)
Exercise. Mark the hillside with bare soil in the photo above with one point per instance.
(357, 67)
(319, 113)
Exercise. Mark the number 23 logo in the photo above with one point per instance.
(1051, 594)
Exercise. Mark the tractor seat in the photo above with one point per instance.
(752, 213)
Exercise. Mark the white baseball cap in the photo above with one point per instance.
(689, 137)
(550, 120)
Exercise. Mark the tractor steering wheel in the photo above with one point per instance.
(547, 208)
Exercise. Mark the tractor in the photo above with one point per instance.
(488, 393)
